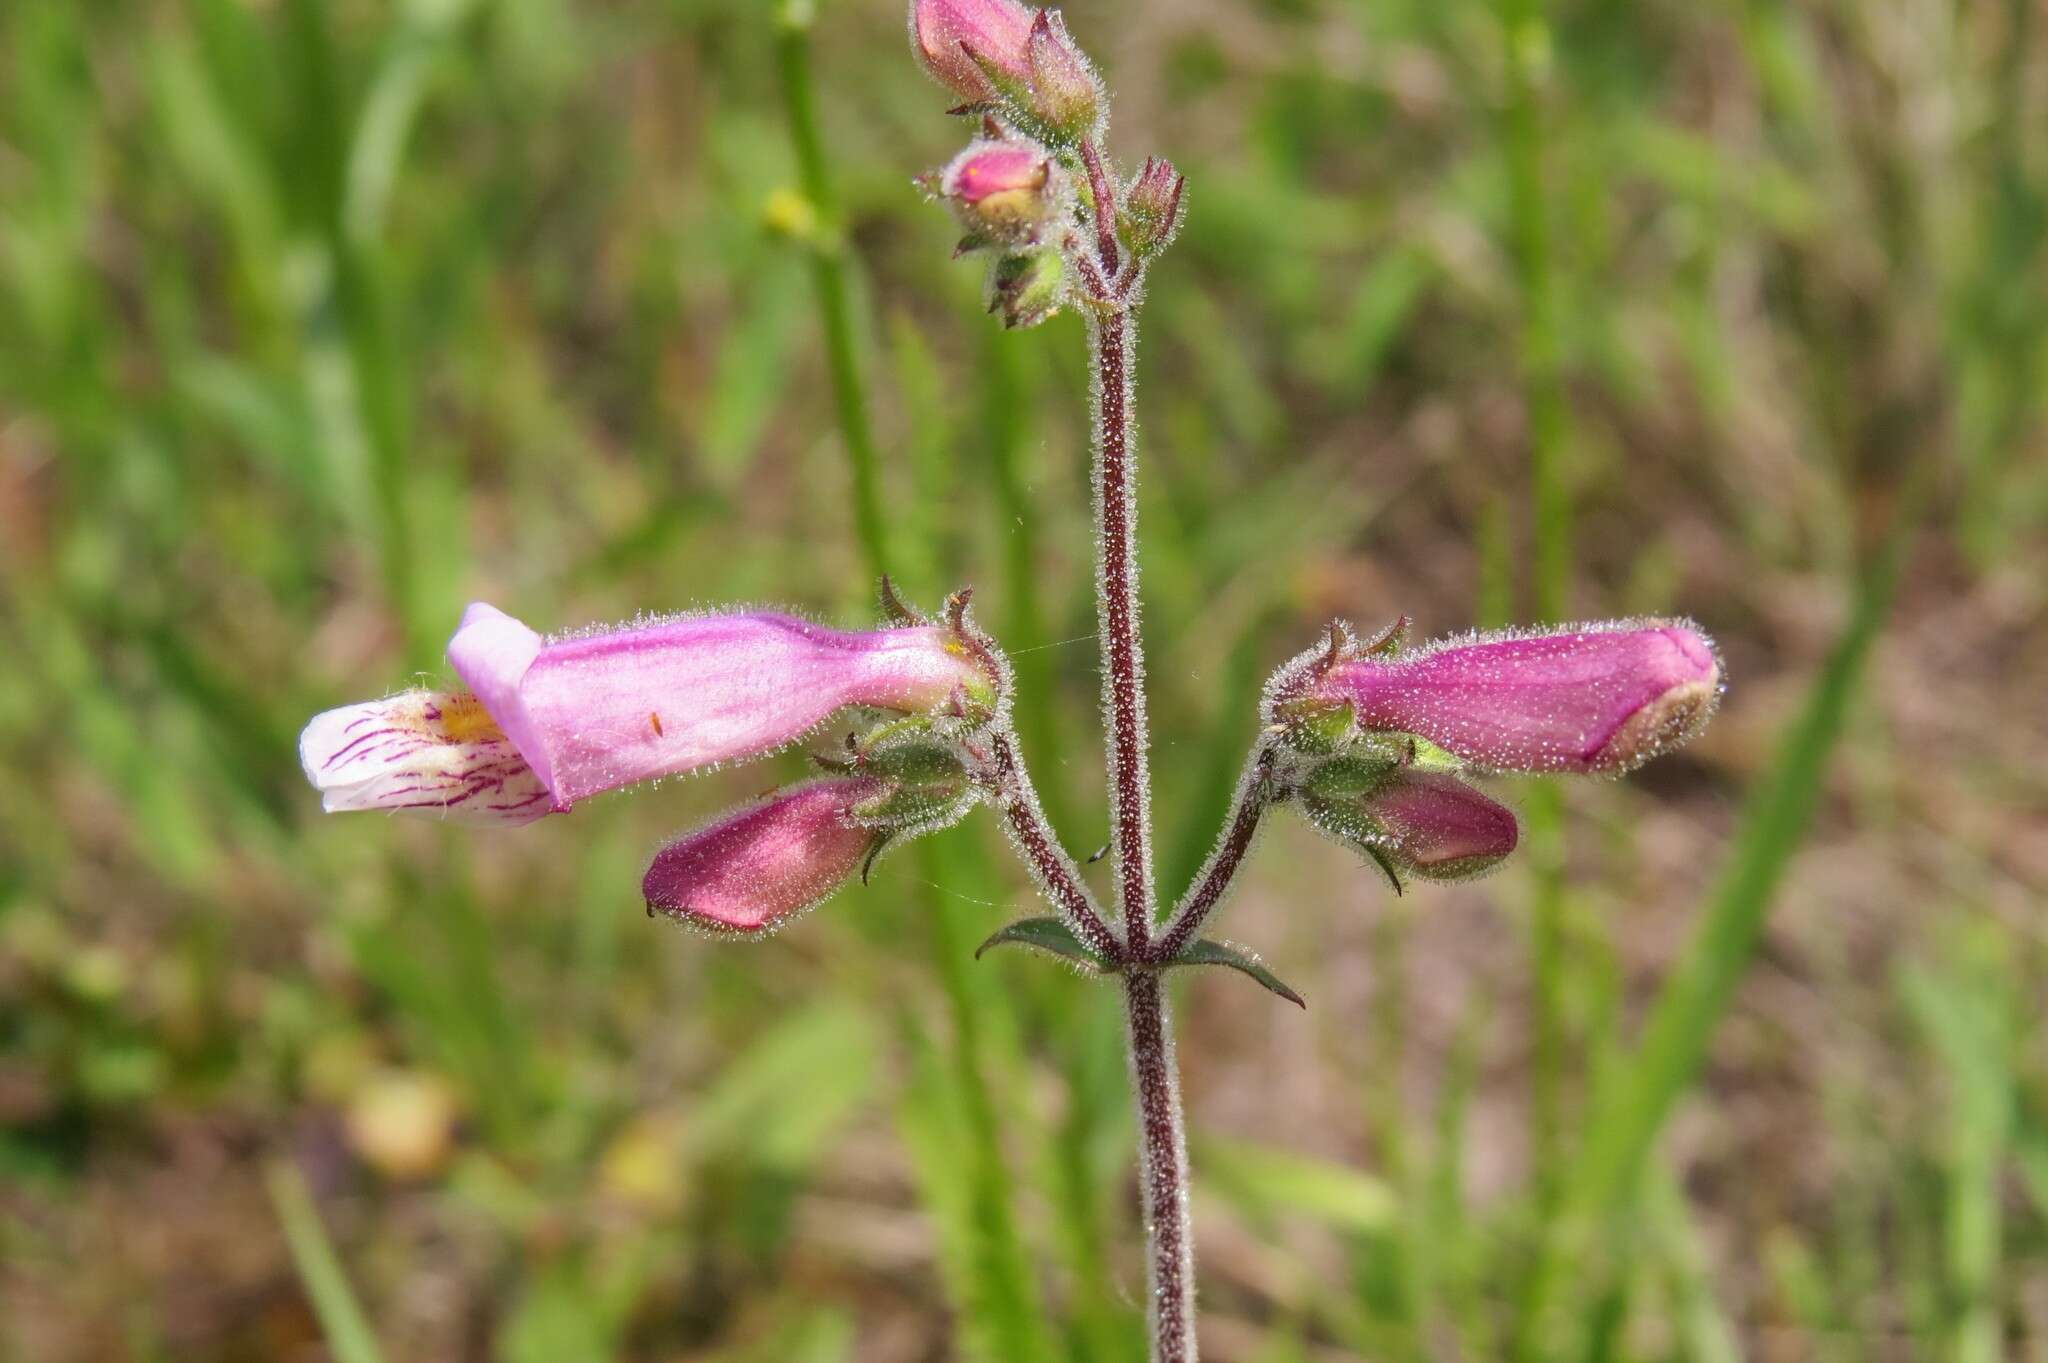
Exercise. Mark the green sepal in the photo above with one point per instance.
(875, 850)
(1424, 755)
(1028, 288)
(894, 608)
(1206, 952)
(1049, 935)
(904, 758)
(1317, 727)
(1334, 799)
(914, 808)
(1377, 856)
(1352, 777)
(1013, 97)
(1388, 643)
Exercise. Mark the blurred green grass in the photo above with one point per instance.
(319, 319)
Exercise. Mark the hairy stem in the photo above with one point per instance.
(1162, 1146)
(1116, 598)
(1057, 876)
(1163, 1168)
(1213, 882)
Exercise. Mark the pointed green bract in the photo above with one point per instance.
(1206, 952)
(1050, 935)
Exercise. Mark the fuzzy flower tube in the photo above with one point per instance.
(1379, 746)
(1586, 698)
(545, 724)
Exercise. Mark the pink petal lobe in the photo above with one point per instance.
(492, 653)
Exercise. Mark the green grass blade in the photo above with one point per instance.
(1641, 1092)
(342, 1321)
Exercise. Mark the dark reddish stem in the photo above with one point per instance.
(1050, 865)
(1162, 1146)
(1123, 678)
(1254, 794)
(1163, 1171)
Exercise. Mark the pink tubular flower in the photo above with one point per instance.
(573, 717)
(749, 871)
(1589, 698)
(944, 32)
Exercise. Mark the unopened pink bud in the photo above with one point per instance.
(1002, 190)
(1440, 828)
(1066, 96)
(1591, 698)
(605, 710)
(948, 36)
(753, 870)
(992, 170)
(1421, 823)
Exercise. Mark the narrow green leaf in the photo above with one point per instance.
(1631, 1105)
(342, 1321)
(785, 1098)
(1003, 1316)
(1206, 952)
(1045, 934)
(1675, 1039)
(1262, 1180)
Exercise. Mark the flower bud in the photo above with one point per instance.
(1027, 288)
(1592, 698)
(1004, 191)
(1152, 206)
(961, 41)
(1066, 95)
(1422, 823)
(752, 870)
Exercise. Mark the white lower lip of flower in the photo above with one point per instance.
(421, 752)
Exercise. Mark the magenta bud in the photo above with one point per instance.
(598, 711)
(1004, 191)
(754, 869)
(1440, 828)
(1066, 95)
(1422, 823)
(1590, 698)
(1152, 206)
(962, 41)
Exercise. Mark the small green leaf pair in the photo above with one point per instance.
(1054, 937)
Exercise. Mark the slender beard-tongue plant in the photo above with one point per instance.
(1373, 742)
